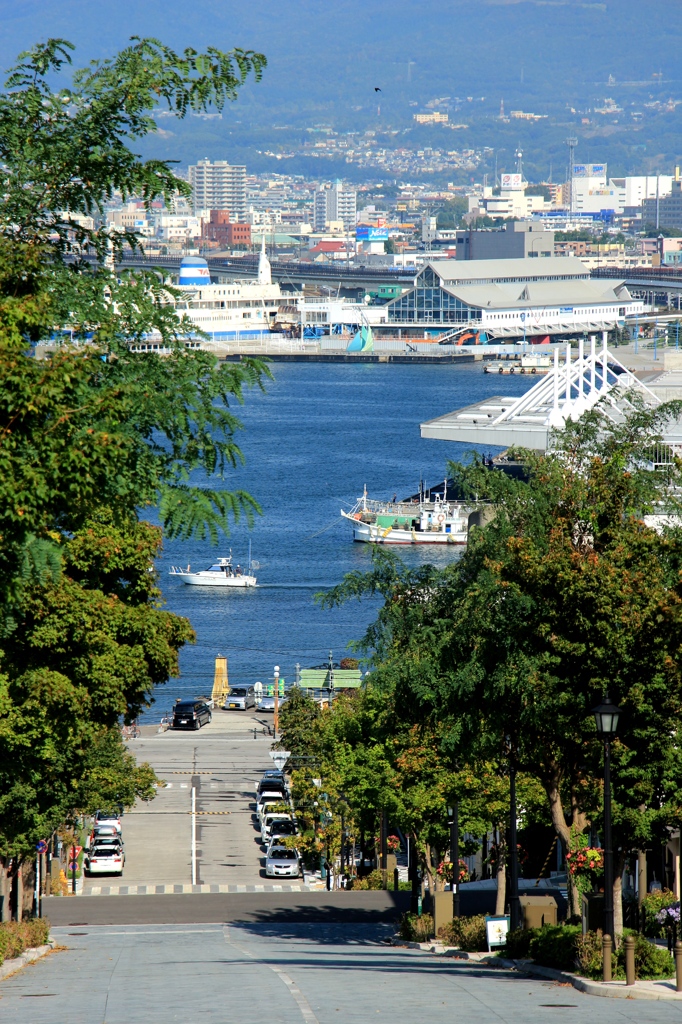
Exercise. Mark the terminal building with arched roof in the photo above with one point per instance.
(514, 298)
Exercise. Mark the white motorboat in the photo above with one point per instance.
(221, 574)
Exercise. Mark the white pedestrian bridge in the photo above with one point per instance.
(573, 386)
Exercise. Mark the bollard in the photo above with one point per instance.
(254, 734)
(606, 946)
(678, 966)
(396, 879)
(629, 960)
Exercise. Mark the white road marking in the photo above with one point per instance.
(304, 1006)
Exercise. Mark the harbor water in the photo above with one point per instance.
(311, 442)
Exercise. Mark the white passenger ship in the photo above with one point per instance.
(233, 310)
(428, 518)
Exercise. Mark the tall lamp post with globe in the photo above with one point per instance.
(606, 716)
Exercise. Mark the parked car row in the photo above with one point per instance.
(241, 698)
(277, 823)
(104, 851)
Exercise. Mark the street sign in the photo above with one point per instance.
(41, 847)
(280, 757)
(73, 866)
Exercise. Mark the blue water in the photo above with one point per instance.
(311, 442)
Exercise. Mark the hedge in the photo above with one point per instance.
(16, 937)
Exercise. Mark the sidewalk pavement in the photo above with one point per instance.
(651, 990)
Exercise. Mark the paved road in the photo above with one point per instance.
(284, 974)
(359, 907)
(223, 762)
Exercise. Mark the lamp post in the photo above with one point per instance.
(514, 902)
(276, 708)
(331, 679)
(453, 815)
(606, 716)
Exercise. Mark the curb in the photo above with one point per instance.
(29, 956)
(608, 990)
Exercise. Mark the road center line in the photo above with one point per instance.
(304, 1006)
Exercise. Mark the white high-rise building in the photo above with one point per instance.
(334, 203)
(219, 186)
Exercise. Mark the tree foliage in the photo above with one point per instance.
(96, 433)
(566, 594)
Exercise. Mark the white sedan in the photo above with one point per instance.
(106, 859)
(282, 863)
(268, 822)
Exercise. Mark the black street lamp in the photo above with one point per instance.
(606, 717)
(514, 901)
(453, 815)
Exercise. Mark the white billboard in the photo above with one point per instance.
(511, 181)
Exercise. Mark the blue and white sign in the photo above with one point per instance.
(566, 309)
(368, 233)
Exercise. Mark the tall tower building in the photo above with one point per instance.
(219, 186)
(334, 203)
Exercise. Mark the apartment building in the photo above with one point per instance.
(334, 203)
(219, 186)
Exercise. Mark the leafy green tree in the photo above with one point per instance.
(96, 433)
(564, 595)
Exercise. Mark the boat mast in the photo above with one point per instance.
(249, 556)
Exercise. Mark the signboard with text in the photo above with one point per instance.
(368, 233)
(511, 181)
(589, 170)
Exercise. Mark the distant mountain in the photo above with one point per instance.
(325, 60)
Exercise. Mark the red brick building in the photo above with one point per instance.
(228, 236)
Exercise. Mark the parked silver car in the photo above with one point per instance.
(240, 698)
(282, 863)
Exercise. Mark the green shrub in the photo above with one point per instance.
(16, 937)
(590, 961)
(416, 929)
(374, 880)
(37, 931)
(517, 946)
(555, 946)
(467, 933)
(651, 962)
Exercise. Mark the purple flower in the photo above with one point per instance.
(669, 915)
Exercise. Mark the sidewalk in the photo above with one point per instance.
(652, 990)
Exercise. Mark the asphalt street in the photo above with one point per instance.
(223, 762)
(284, 973)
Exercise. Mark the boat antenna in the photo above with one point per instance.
(249, 556)
(364, 498)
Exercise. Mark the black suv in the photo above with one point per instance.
(191, 714)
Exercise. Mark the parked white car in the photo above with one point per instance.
(108, 818)
(282, 863)
(268, 822)
(105, 859)
(270, 805)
